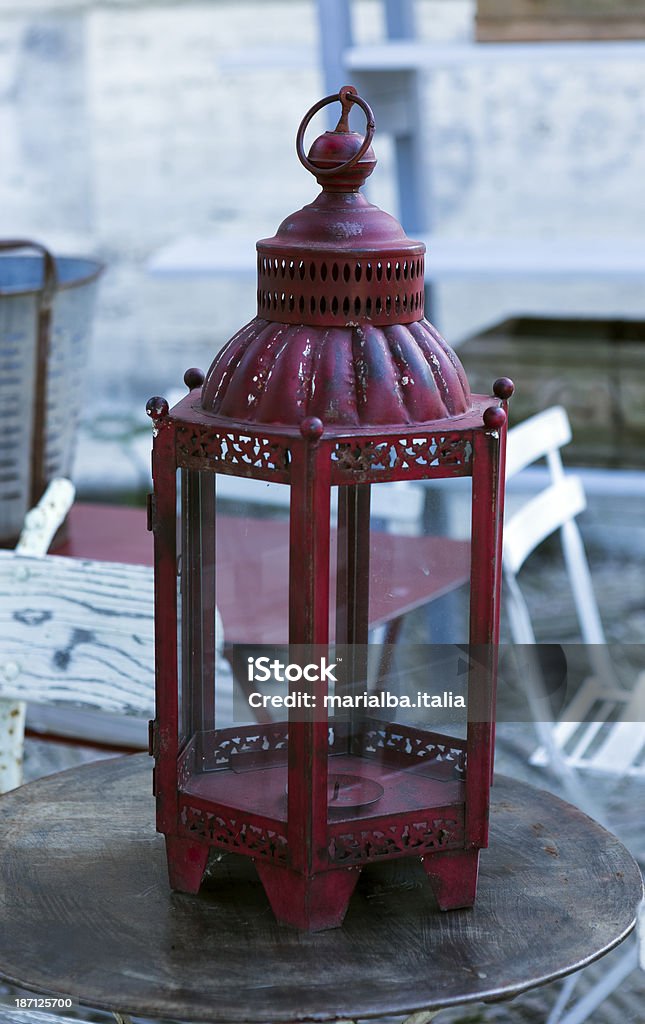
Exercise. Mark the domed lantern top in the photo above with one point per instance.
(340, 332)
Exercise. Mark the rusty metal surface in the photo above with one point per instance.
(340, 332)
(340, 380)
(351, 376)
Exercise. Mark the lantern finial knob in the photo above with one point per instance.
(311, 428)
(193, 378)
(503, 388)
(157, 407)
(340, 160)
(494, 417)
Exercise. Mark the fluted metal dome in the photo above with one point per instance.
(340, 333)
(350, 376)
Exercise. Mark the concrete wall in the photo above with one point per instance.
(125, 124)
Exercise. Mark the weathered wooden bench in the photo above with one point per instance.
(77, 644)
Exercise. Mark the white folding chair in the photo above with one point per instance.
(602, 729)
(77, 643)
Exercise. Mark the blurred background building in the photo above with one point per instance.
(128, 123)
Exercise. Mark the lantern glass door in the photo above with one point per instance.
(233, 600)
(398, 724)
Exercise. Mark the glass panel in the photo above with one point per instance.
(234, 612)
(397, 737)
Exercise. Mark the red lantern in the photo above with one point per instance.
(336, 389)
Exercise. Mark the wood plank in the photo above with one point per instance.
(492, 30)
(78, 631)
(517, 9)
(511, 20)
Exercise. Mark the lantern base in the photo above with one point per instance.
(317, 902)
(186, 863)
(453, 877)
(311, 903)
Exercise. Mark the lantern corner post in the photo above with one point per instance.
(305, 894)
(309, 629)
(165, 729)
(187, 860)
(503, 389)
(487, 518)
(312, 903)
(453, 877)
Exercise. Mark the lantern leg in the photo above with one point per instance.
(308, 902)
(453, 877)
(186, 863)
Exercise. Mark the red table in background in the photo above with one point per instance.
(405, 572)
(109, 533)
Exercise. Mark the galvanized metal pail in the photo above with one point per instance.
(46, 308)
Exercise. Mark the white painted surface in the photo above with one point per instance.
(603, 727)
(539, 518)
(40, 526)
(422, 56)
(532, 439)
(42, 522)
(77, 644)
(446, 258)
(77, 632)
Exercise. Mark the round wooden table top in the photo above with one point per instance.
(86, 911)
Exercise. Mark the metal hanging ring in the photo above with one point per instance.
(343, 96)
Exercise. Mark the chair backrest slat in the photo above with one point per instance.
(539, 518)
(535, 438)
(554, 509)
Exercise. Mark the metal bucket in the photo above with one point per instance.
(46, 308)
